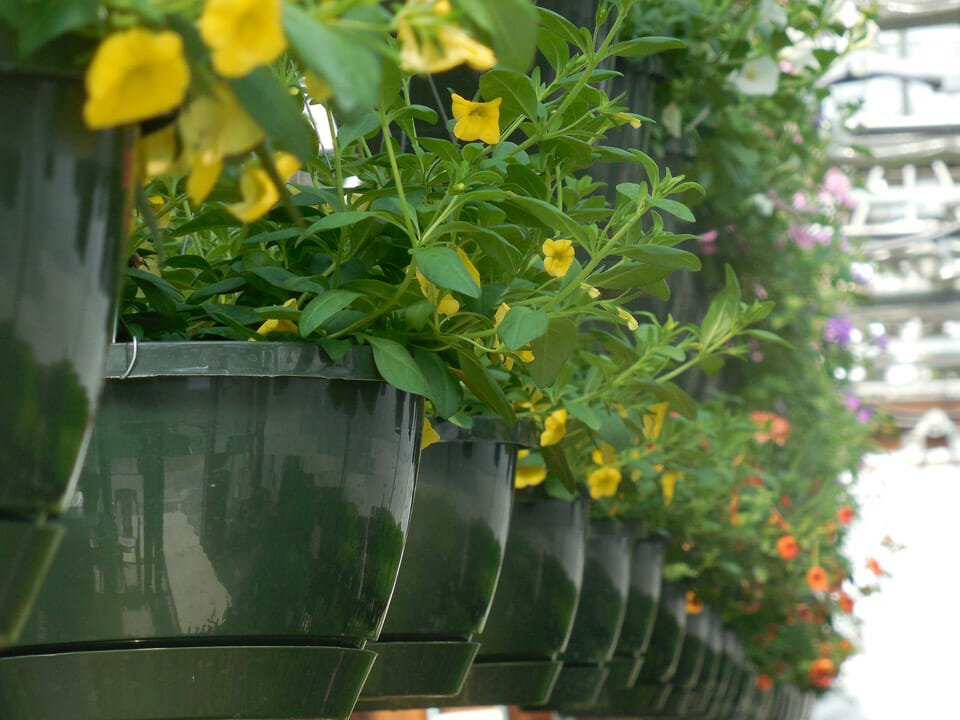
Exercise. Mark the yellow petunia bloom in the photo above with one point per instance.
(604, 455)
(157, 153)
(694, 603)
(653, 420)
(243, 34)
(555, 427)
(557, 256)
(317, 88)
(448, 305)
(431, 45)
(529, 475)
(258, 191)
(429, 436)
(603, 482)
(629, 319)
(526, 356)
(668, 481)
(284, 326)
(477, 120)
(135, 74)
(471, 268)
(157, 203)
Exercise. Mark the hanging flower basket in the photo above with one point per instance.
(699, 663)
(234, 540)
(600, 616)
(533, 609)
(64, 193)
(451, 562)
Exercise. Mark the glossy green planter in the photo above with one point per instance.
(599, 618)
(533, 609)
(455, 544)
(236, 497)
(669, 634)
(63, 204)
(731, 658)
(696, 695)
(646, 580)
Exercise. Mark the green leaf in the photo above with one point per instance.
(349, 133)
(672, 394)
(561, 27)
(552, 350)
(161, 295)
(613, 430)
(236, 317)
(673, 207)
(445, 392)
(39, 22)
(513, 26)
(549, 215)
(396, 366)
(208, 220)
(337, 220)
(769, 337)
(476, 377)
(322, 307)
(678, 571)
(711, 364)
(585, 415)
(558, 468)
(722, 313)
(343, 58)
(516, 90)
(629, 276)
(491, 243)
(227, 285)
(641, 47)
(336, 349)
(664, 256)
(276, 111)
(443, 267)
(522, 325)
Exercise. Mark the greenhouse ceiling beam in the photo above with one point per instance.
(938, 390)
(905, 15)
(943, 304)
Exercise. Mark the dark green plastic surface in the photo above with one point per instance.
(695, 647)
(64, 200)
(646, 580)
(506, 683)
(419, 669)
(235, 509)
(26, 550)
(577, 686)
(669, 631)
(208, 683)
(603, 595)
(536, 598)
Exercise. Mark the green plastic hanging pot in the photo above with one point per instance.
(693, 686)
(534, 606)
(64, 194)
(233, 543)
(599, 618)
(725, 675)
(451, 562)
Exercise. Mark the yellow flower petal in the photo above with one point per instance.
(459, 47)
(694, 603)
(668, 481)
(603, 482)
(258, 191)
(633, 120)
(157, 203)
(604, 455)
(157, 152)
(317, 88)
(557, 256)
(280, 326)
(203, 176)
(629, 319)
(424, 283)
(430, 436)
(242, 34)
(135, 74)
(529, 475)
(439, 47)
(526, 356)
(500, 314)
(477, 121)
(653, 420)
(555, 427)
(448, 305)
(469, 266)
(218, 125)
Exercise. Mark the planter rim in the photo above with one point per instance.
(485, 428)
(55, 59)
(236, 359)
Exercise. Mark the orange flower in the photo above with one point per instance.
(764, 682)
(734, 509)
(786, 501)
(817, 578)
(775, 428)
(822, 672)
(874, 567)
(804, 613)
(846, 602)
(755, 481)
(845, 645)
(787, 547)
(694, 604)
(845, 514)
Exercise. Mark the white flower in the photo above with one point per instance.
(800, 53)
(764, 204)
(759, 76)
(773, 12)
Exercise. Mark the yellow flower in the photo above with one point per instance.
(694, 603)
(448, 305)
(526, 356)
(284, 326)
(135, 74)
(440, 45)
(653, 420)
(592, 292)
(630, 118)
(557, 256)
(500, 314)
(317, 88)
(430, 436)
(668, 482)
(529, 475)
(259, 192)
(243, 34)
(157, 152)
(471, 268)
(630, 320)
(603, 482)
(477, 120)
(157, 203)
(604, 455)
(555, 428)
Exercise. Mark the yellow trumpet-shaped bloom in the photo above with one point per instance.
(242, 34)
(431, 44)
(157, 153)
(603, 482)
(276, 325)
(477, 120)
(528, 475)
(446, 305)
(555, 427)
(653, 420)
(557, 256)
(604, 455)
(629, 319)
(471, 268)
(258, 191)
(629, 118)
(430, 436)
(668, 482)
(135, 74)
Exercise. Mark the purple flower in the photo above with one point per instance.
(864, 415)
(836, 182)
(837, 330)
(800, 236)
(851, 402)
